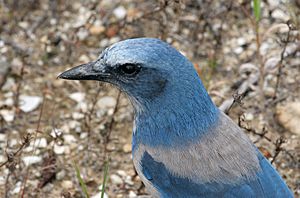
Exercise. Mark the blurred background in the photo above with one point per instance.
(246, 52)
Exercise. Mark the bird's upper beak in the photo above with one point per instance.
(84, 72)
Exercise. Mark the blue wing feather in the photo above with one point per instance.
(268, 183)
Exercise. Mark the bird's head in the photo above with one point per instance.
(146, 69)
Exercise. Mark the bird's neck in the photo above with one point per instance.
(175, 119)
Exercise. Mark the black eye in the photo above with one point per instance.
(130, 69)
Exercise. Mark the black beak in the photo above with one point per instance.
(84, 72)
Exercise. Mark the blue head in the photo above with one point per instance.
(169, 99)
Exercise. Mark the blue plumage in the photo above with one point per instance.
(267, 184)
(183, 146)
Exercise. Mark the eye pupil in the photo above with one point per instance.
(130, 69)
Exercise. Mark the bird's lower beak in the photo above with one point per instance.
(83, 72)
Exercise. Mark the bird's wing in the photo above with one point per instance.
(223, 164)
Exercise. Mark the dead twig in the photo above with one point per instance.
(12, 155)
(237, 99)
(17, 93)
(278, 147)
(278, 142)
(110, 126)
(22, 191)
(280, 63)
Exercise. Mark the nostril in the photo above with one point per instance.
(99, 66)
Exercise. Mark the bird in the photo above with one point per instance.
(183, 146)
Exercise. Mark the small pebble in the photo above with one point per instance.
(77, 96)
(69, 139)
(8, 115)
(17, 188)
(29, 160)
(99, 195)
(115, 179)
(60, 175)
(67, 184)
(59, 149)
(106, 102)
(127, 148)
(120, 12)
(29, 103)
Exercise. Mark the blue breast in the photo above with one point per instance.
(267, 184)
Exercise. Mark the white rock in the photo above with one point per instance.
(132, 194)
(80, 147)
(128, 180)
(12, 142)
(121, 173)
(106, 102)
(84, 59)
(77, 115)
(83, 135)
(238, 50)
(55, 133)
(281, 15)
(17, 188)
(99, 195)
(273, 3)
(78, 129)
(2, 159)
(2, 137)
(8, 94)
(249, 116)
(2, 180)
(9, 102)
(67, 184)
(104, 42)
(24, 24)
(29, 103)
(271, 63)
(60, 175)
(73, 124)
(65, 128)
(16, 65)
(127, 148)
(82, 17)
(77, 96)
(269, 91)
(116, 179)
(29, 160)
(82, 106)
(241, 41)
(264, 47)
(7, 115)
(59, 149)
(114, 39)
(9, 83)
(82, 34)
(120, 12)
(110, 111)
(40, 143)
(69, 139)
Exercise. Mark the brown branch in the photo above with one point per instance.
(111, 124)
(6, 185)
(278, 147)
(17, 93)
(11, 155)
(278, 142)
(237, 99)
(280, 64)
